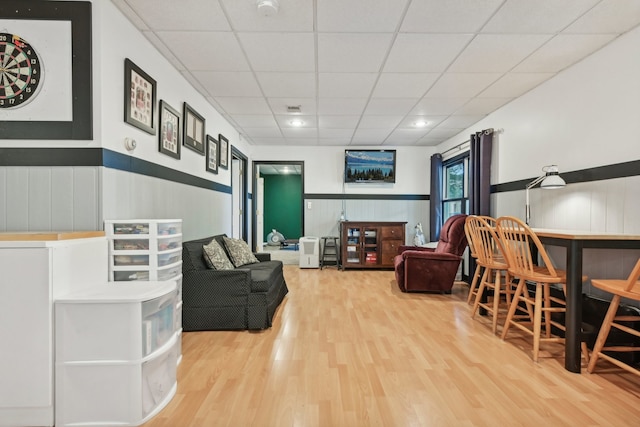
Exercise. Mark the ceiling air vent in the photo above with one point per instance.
(294, 109)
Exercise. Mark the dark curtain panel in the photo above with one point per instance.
(435, 198)
(480, 173)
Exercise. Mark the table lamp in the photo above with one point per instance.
(550, 180)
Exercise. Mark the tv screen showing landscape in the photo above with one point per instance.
(370, 166)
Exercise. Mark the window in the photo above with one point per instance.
(455, 195)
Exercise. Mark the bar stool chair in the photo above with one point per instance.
(490, 256)
(629, 288)
(517, 239)
(472, 254)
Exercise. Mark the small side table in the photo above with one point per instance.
(330, 254)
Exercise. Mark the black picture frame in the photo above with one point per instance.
(78, 13)
(223, 157)
(212, 154)
(169, 134)
(193, 135)
(139, 98)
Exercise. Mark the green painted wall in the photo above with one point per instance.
(283, 205)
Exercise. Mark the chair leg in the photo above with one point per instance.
(537, 322)
(512, 308)
(585, 352)
(604, 332)
(481, 288)
(497, 286)
(474, 283)
(547, 314)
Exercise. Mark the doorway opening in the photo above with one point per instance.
(278, 200)
(239, 195)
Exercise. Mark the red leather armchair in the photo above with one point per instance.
(420, 269)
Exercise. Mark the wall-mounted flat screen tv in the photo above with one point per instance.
(374, 166)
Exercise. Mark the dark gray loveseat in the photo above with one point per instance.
(243, 298)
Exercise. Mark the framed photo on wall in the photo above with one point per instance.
(139, 98)
(46, 68)
(212, 154)
(169, 135)
(193, 135)
(224, 152)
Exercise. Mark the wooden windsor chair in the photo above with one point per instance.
(629, 288)
(490, 257)
(517, 240)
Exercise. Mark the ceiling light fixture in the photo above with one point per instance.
(267, 7)
(296, 123)
(420, 123)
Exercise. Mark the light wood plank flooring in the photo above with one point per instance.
(349, 349)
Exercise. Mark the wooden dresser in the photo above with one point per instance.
(370, 244)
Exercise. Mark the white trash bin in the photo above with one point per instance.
(309, 252)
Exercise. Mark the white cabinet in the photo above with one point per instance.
(144, 249)
(36, 268)
(116, 353)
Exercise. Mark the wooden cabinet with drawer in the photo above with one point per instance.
(369, 244)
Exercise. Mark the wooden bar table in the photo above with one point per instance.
(574, 242)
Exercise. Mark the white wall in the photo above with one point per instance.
(587, 116)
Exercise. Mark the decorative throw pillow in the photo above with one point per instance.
(215, 257)
(239, 252)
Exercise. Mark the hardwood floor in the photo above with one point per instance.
(349, 349)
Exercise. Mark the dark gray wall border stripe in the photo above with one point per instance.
(618, 170)
(102, 157)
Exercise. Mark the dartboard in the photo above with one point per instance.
(20, 71)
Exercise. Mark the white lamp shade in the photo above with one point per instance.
(552, 181)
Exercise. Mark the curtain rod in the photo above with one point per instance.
(459, 146)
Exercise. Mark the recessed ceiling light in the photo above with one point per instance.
(296, 122)
(420, 123)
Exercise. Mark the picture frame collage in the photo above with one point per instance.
(174, 129)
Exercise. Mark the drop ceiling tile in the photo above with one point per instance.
(271, 132)
(379, 122)
(239, 105)
(334, 141)
(403, 85)
(438, 106)
(482, 106)
(255, 121)
(295, 141)
(425, 52)
(608, 16)
(409, 122)
(352, 52)
(497, 52)
(346, 85)
(461, 85)
(226, 83)
(513, 85)
(300, 132)
(193, 81)
(292, 16)
(279, 51)
(372, 15)
(338, 106)
(338, 122)
(284, 121)
(460, 121)
(345, 134)
(370, 136)
(293, 85)
(428, 142)
(536, 17)
(450, 16)
(407, 135)
(562, 51)
(203, 50)
(443, 133)
(279, 105)
(269, 141)
(390, 106)
(190, 15)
